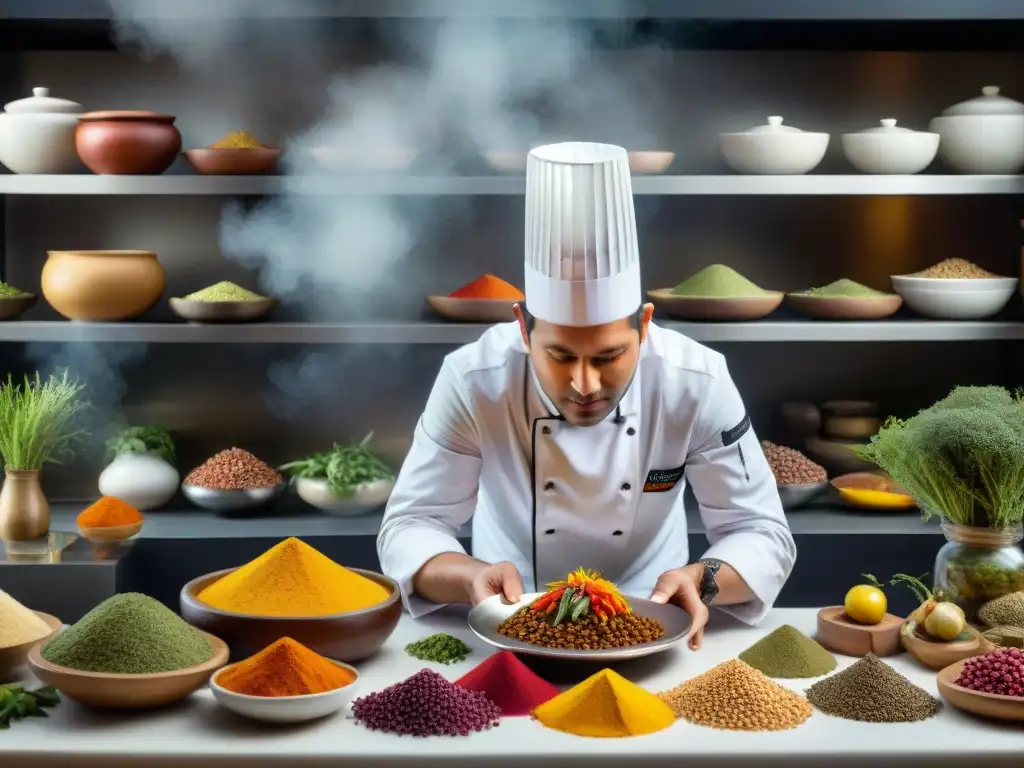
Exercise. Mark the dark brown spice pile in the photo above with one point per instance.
(871, 691)
(234, 470)
(589, 633)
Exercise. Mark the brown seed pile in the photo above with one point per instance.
(791, 467)
(588, 633)
(1004, 611)
(955, 269)
(871, 691)
(234, 470)
(734, 696)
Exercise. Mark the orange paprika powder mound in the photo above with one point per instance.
(488, 287)
(284, 668)
(109, 512)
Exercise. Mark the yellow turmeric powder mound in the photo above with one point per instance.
(606, 705)
(237, 140)
(292, 579)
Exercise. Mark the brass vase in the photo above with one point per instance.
(24, 510)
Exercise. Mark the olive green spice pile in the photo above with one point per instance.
(789, 653)
(442, 648)
(1006, 637)
(873, 692)
(843, 289)
(129, 634)
(17, 703)
(9, 291)
(224, 291)
(718, 282)
(1007, 610)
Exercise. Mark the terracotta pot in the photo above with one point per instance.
(127, 142)
(24, 511)
(102, 285)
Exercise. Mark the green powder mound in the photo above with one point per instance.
(129, 634)
(224, 291)
(441, 648)
(788, 653)
(843, 289)
(9, 291)
(718, 282)
(1007, 610)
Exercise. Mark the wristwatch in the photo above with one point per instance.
(708, 583)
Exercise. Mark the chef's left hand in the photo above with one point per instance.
(680, 586)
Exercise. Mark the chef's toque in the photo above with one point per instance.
(582, 260)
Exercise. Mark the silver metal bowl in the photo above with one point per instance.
(228, 502)
(797, 495)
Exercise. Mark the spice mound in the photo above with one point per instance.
(513, 686)
(18, 624)
(871, 691)
(10, 292)
(1006, 637)
(234, 470)
(224, 291)
(1000, 672)
(128, 634)
(789, 653)
(284, 668)
(735, 696)
(441, 648)
(488, 287)
(108, 512)
(606, 705)
(426, 705)
(237, 140)
(292, 579)
(718, 282)
(843, 289)
(791, 467)
(583, 612)
(1005, 611)
(955, 269)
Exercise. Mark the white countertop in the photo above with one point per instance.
(198, 732)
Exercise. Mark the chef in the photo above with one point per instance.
(568, 437)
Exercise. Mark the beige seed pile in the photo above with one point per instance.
(955, 269)
(791, 467)
(1004, 611)
(18, 624)
(734, 696)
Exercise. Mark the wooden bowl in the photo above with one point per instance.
(233, 162)
(839, 633)
(872, 481)
(111, 534)
(14, 307)
(831, 308)
(937, 655)
(14, 656)
(700, 308)
(991, 705)
(343, 637)
(473, 310)
(222, 311)
(117, 691)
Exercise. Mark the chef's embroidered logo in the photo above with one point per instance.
(661, 480)
(730, 436)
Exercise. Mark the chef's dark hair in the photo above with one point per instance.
(636, 319)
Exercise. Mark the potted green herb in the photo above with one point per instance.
(346, 480)
(36, 428)
(142, 471)
(962, 460)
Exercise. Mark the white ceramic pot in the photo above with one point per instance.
(890, 149)
(773, 149)
(144, 480)
(37, 134)
(367, 498)
(955, 299)
(982, 135)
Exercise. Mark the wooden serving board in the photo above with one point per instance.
(841, 634)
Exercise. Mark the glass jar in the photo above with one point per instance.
(976, 565)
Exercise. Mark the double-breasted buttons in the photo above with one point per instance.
(549, 486)
(630, 431)
(549, 531)
(626, 486)
(546, 430)
(616, 533)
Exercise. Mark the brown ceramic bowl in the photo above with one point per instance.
(102, 286)
(699, 308)
(233, 162)
(110, 533)
(222, 311)
(13, 657)
(832, 308)
(841, 634)
(115, 691)
(344, 637)
(473, 310)
(992, 705)
(127, 142)
(15, 306)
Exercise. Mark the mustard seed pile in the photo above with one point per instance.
(791, 467)
(1005, 611)
(873, 692)
(734, 696)
(588, 633)
(234, 470)
(955, 269)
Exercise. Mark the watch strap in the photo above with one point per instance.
(708, 580)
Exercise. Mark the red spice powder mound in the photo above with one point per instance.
(509, 683)
(488, 287)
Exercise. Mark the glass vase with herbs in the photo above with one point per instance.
(346, 480)
(962, 460)
(142, 472)
(37, 427)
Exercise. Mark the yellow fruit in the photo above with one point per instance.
(866, 604)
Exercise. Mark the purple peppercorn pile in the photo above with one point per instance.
(1000, 672)
(426, 704)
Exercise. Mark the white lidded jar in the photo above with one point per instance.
(773, 149)
(982, 135)
(37, 134)
(144, 480)
(890, 149)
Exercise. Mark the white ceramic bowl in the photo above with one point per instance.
(981, 143)
(650, 162)
(776, 150)
(37, 135)
(367, 498)
(955, 299)
(286, 709)
(890, 149)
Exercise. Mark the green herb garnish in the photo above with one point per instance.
(10, 292)
(344, 467)
(36, 421)
(17, 703)
(441, 648)
(150, 439)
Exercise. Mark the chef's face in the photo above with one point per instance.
(586, 371)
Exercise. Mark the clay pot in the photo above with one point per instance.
(102, 285)
(24, 511)
(127, 142)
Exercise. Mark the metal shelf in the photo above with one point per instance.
(401, 185)
(432, 332)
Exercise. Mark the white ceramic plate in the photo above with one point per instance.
(286, 709)
(485, 618)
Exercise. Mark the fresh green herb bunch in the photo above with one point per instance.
(962, 459)
(442, 648)
(37, 421)
(17, 703)
(344, 467)
(148, 439)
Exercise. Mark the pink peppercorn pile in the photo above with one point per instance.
(426, 704)
(1000, 672)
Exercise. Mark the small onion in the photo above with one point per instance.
(945, 622)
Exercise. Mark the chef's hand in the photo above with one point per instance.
(498, 579)
(680, 586)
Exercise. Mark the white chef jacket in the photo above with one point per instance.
(551, 497)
